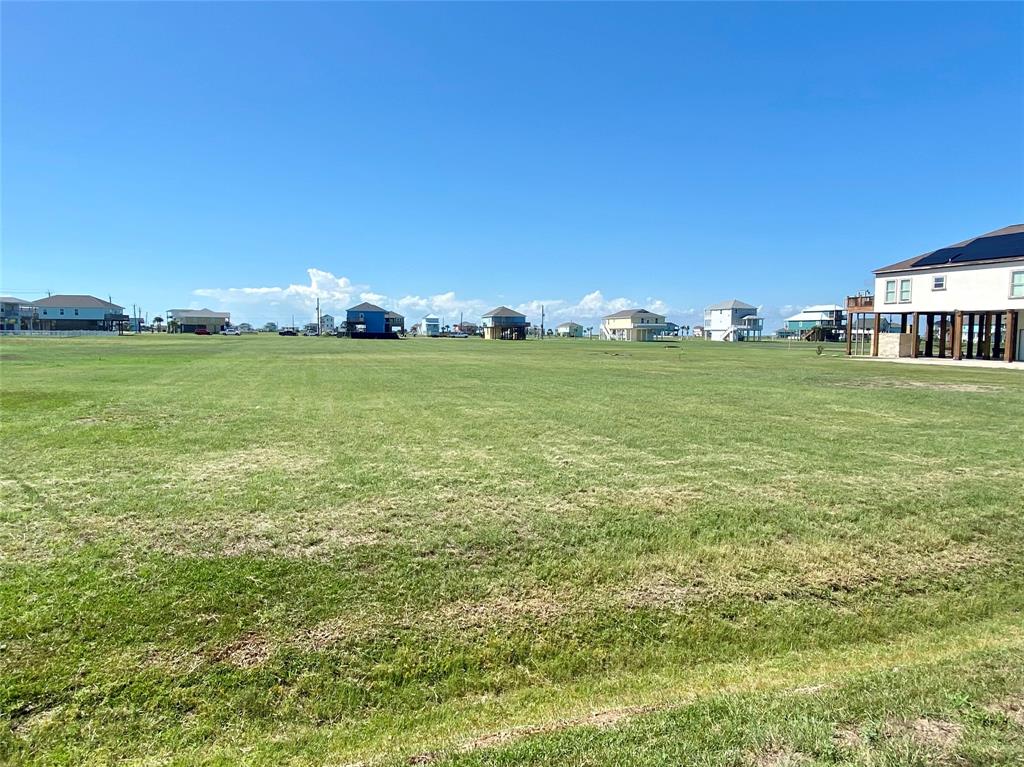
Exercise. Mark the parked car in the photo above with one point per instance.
(460, 335)
(287, 332)
(310, 333)
(231, 332)
(202, 332)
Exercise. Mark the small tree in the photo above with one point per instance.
(157, 322)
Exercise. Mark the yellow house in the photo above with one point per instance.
(632, 325)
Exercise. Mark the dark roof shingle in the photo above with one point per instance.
(503, 311)
(998, 245)
(76, 302)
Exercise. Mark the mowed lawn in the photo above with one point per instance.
(267, 550)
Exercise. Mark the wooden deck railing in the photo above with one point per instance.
(860, 303)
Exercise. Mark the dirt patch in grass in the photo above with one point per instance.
(247, 652)
(662, 592)
(504, 609)
(776, 757)
(222, 469)
(1012, 707)
(934, 734)
(599, 719)
(350, 627)
(848, 738)
(796, 572)
(174, 661)
(500, 610)
(34, 721)
(888, 383)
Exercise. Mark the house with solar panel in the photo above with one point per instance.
(963, 301)
(505, 324)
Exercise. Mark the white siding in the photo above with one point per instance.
(967, 288)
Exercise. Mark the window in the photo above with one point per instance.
(61, 312)
(939, 283)
(890, 291)
(904, 291)
(1017, 285)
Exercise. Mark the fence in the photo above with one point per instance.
(58, 333)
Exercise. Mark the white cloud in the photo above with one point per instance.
(259, 304)
(447, 305)
(275, 303)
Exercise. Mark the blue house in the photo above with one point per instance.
(78, 312)
(365, 318)
(368, 320)
(16, 314)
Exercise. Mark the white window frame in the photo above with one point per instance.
(910, 295)
(1013, 276)
(895, 291)
(936, 285)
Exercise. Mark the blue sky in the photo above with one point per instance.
(444, 158)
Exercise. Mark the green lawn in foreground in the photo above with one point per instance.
(264, 550)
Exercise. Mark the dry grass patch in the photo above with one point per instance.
(776, 757)
(849, 738)
(893, 383)
(246, 652)
(794, 571)
(933, 734)
(604, 719)
(224, 468)
(503, 609)
(175, 661)
(464, 615)
(30, 725)
(1011, 707)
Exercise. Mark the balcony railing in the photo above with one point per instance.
(860, 303)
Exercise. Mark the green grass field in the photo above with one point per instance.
(309, 551)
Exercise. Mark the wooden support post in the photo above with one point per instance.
(997, 336)
(983, 333)
(929, 325)
(874, 334)
(849, 333)
(914, 320)
(943, 332)
(970, 336)
(958, 335)
(1010, 351)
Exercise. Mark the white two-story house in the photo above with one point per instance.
(732, 321)
(962, 301)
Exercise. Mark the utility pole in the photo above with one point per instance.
(542, 322)
(319, 327)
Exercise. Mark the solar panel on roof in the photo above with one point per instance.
(981, 249)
